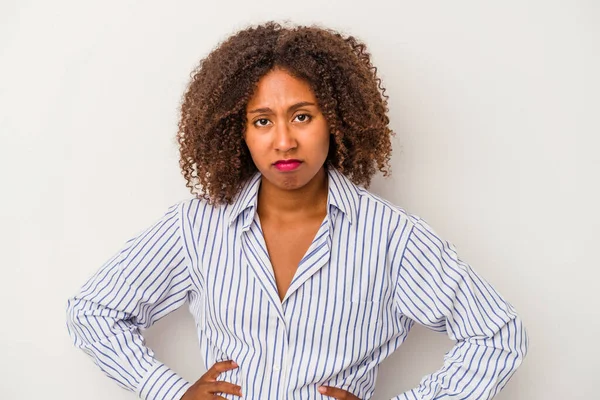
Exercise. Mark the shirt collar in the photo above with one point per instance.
(247, 197)
(343, 194)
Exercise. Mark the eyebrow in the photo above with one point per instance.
(291, 108)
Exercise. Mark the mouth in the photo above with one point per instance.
(287, 165)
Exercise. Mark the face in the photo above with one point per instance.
(286, 133)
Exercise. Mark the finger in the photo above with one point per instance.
(336, 393)
(217, 368)
(224, 387)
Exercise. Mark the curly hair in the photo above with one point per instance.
(214, 158)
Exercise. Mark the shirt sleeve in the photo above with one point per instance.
(438, 290)
(144, 281)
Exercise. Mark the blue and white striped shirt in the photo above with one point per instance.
(371, 271)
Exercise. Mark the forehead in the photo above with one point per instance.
(279, 88)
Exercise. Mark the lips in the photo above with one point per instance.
(287, 165)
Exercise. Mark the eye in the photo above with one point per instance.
(303, 117)
(261, 122)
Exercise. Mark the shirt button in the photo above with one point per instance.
(276, 367)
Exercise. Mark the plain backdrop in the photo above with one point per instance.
(495, 106)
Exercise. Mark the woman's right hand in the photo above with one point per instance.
(207, 386)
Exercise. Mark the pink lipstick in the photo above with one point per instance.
(287, 165)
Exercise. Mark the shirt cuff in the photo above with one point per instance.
(412, 394)
(162, 383)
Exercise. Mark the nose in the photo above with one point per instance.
(284, 138)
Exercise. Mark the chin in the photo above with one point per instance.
(286, 181)
(290, 181)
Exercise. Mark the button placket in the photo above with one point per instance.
(285, 360)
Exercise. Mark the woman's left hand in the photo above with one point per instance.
(336, 393)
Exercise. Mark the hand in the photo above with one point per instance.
(337, 393)
(206, 387)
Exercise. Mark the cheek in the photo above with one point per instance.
(256, 147)
(326, 141)
(251, 141)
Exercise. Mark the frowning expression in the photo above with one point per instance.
(286, 133)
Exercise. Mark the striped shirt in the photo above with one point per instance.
(370, 273)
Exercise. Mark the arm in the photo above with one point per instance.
(436, 289)
(146, 280)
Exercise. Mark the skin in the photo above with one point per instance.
(207, 386)
(283, 122)
(278, 129)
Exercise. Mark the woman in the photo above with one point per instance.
(301, 282)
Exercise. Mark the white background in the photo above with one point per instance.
(496, 108)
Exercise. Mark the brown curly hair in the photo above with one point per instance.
(214, 158)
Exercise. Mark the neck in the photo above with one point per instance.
(284, 205)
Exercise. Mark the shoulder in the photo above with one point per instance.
(195, 207)
(401, 224)
(195, 213)
(409, 227)
(405, 230)
(372, 204)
